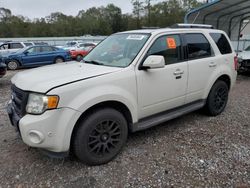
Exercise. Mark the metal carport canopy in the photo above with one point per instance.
(227, 15)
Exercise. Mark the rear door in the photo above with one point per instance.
(201, 65)
(47, 54)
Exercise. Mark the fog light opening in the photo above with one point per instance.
(36, 137)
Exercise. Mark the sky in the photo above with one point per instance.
(41, 8)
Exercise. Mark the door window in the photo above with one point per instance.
(47, 49)
(198, 46)
(169, 47)
(15, 45)
(34, 50)
(4, 47)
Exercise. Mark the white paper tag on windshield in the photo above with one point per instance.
(135, 37)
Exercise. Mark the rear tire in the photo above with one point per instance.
(217, 98)
(13, 65)
(100, 137)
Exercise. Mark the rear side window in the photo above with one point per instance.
(47, 49)
(169, 47)
(198, 46)
(15, 45)
(222, 43)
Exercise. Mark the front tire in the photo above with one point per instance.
(217, 98)
(13, 65)
(79, 58)
(100, 137)
(59, 60)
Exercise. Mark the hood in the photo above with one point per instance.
(45, 78)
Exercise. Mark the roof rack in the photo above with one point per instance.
(144, 27)
(181, 25)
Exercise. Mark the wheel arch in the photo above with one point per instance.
(223, 77)
(117, 105)
(59, 56)
(15, 59)
(226, 79)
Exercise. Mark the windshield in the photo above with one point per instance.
(22, 49)
(117, 50)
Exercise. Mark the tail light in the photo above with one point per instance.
(236, 63)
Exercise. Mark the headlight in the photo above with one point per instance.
(38, 103)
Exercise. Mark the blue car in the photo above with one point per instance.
(35, 56)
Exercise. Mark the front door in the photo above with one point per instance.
(164, 88)
(31, 56)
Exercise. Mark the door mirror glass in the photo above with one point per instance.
(154, 62)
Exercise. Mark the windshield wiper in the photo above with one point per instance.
(94, 62)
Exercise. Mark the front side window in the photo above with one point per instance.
(34, 50)
(169, 47)
(4, 47)
(118, 50)
(198, 46)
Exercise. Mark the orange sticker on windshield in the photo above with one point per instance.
(171, 43)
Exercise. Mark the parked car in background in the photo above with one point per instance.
(10, 47)
(71, 45)
(87, 44)
(40, 43)
(79, 53)
(244, 59)
(3, 69)
(35, 56)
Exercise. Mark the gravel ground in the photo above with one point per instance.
(191, 151)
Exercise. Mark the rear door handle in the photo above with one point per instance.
(212, 64)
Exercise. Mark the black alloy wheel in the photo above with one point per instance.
(100, 136)
(217, 98)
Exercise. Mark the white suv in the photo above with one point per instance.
(11, 47)
(131, 81)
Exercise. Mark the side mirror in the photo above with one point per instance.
(153, 62)
(26, 53)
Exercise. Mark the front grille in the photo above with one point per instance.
(19, 100)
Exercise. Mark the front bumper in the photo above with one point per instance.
(50, 131)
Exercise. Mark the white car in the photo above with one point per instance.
(244, 58)
(11, 47)
(131, 81)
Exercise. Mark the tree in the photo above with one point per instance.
(113, 15)
(137, 10)
(97, 20)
